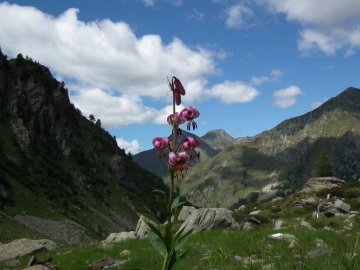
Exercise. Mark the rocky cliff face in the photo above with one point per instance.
(51, 152)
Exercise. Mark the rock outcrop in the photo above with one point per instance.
(22, 247)
(319, 183)
(205, 219)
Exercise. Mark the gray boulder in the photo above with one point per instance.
(22, 247)
(343, 207)
(120, 237)
(185, 212)
(319, 183)
(142, 227)
(205, 219)
(248, 226)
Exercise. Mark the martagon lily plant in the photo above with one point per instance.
(161, 236)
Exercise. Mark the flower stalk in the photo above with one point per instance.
(165, 242)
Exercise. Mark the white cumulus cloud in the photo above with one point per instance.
(234, 92)
(133, 147)
(236, 16)
(328, 25)
(274, 76)
(287, 97)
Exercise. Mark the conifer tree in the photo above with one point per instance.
(323, 166)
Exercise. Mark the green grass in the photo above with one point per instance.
(222, 247)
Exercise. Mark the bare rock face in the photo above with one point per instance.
(205, 219)
(185, 212)
(319, 183)
(22, 247)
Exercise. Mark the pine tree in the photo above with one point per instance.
(323, 166)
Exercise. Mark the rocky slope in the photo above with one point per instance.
(283, 156)
(55, 164)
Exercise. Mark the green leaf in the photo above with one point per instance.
(181, 241)
(168, 237)
(161, 203)
(175, 203)
(155, 230)
(159, 191)
(180, 259)
(158, 223)
(157, 243)
(178, 235)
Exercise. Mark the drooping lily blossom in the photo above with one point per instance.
(190, 143)
(178, 161)
(190, 115)
(161, 144)
(175, 122)
(178, 91)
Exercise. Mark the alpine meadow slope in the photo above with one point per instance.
(56, 165)
(279, 160)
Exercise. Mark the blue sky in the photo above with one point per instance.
(246, 65)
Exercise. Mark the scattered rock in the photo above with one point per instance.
(125, 253)
(253, 220)
(22, 247)
(247, 226)
(11, 263)
(239, 258)
(119, 237)
(142, 227)
(283, 236)
(205, 219)
(278, 224)
(310, 200)
(100, 264)
(293, 245)
(254, 213)
(343, 207)
(307, 225)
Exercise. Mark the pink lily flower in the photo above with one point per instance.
(161, 143)
(190, 115)
(190, 143)
(178, 161)
(175, 122)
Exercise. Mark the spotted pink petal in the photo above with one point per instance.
(190, 143)
(178, 86)
(161, 143)
(189, 114)
(178, 160)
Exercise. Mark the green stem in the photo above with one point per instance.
(172, 174)
(163, 267)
